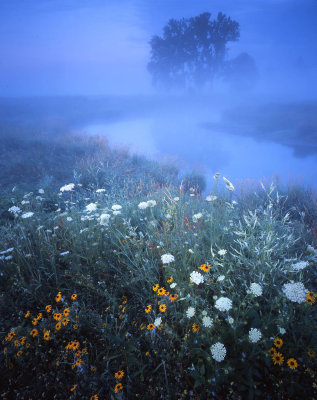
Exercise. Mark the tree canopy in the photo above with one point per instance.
(192, 51)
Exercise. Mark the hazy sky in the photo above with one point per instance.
(101, 46)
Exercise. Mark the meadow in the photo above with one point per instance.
(119, 280)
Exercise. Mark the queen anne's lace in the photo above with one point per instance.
(218, 351)
(295, 292)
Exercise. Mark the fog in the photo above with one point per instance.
(80, 66)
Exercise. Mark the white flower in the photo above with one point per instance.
(221, 278)
(196, 277)
(223, 304)
(23, 202)
(41, 191)
(143, 205)
(254, 335)
(67, 188)
(116, 212)
(158, 321)
(69, 219)
(211, 198)
(151, 203)
(176, 199)
(207, 322)
(222, 252)
(218, 351)
(104, 219)
(173, 285)
(190, 312)
(64, 253)
(15, 210)
(234, 202)
(295, 292)
(216, 176)
(91, 207)
(282, 330)
(196, 217)
(116, 207)
(229, 185)
(100, 190)
(299, 265)
(27, 215)
(231, 320)
(167, 258)
(191, 251)
(256, 289)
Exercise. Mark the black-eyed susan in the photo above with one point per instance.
(57, 316)
(311, 353)
(310, 298)
(84, 351)
(278, 358)
(148, 308)
(196, 328)
(73, 388)
(22, 340)
(19, 353)
(118, 387)
(48, 308)
(34, 321)
(78, 362)
(5, 350)
(34, 332)
(170, 280)
(58, 297)
(66, 312)
(65, 321)
(10, 336)
(27, 314)
(119, 375)
(75, 345)
(173, 297)
(74, 296)
(205, 267)
(147, 353)
(39, 316)
(162, 308)
(58, 326)
(16, 342)
(155, 287)
(151, 327)
(75, 327)
(94, 397)
(161, 291)
(46, 335)
(292, 363)
(271, 351)
(278, 343)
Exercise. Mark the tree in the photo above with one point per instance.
(192, 51)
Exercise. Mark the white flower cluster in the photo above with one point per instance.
(218, 351)
(211, 198)
(196, 277)
(145, 204)
(167, 258)
(223, 304)
(207, 322)
(104, 219)
(196, 217)
(254, 335)
(15, 210)
(158, 321)
(256, 289)
(100, 190)
(91, 207)
(67, 188)
(190, 312)
(222, 252)
(28, 214)
(299, 265)
(229, 185)
(116, 207)
(295, 292)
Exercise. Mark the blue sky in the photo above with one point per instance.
(101, 46)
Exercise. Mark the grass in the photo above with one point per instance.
(91, 306)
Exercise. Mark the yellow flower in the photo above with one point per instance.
(16, 342)
(65, 321)
(155, 287)
(205, 267)
(170, 280)
(311, 353)
(84, 351)
(151, 327)
(278, 358)
(162, 308)
(57, 316)
(74, 296)
(58, 297)
(75, 345)
(48, 308)
(93, 369)
(278, 343)
(75, 326)
(94, 397)
(271, 351)
(78, 362)
(73, 388)
(148, 309)
(147, 353)
(196, 328)
(292, 363)
(119, 375)
(173, 297)
(34, 332)
(34, 322)
(161, 291)
(40, 315)
(27, 314)
(47, 335)
(310, 298)
(58, 326)
(19, 353)
(22, 340)
(66, 312)
(118, 387)
(9, 336)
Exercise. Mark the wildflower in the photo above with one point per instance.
(58, 297)
(196, 328)
(48, 308)
(73, 388)
(176, 198)
(295, 292)
(116, 207)
(34, 321)
(256, 289)
(64, 253)
(94, 397)
(278, 343)
(254, 335)
(211, 198)
(27, 215)
(218, 351)
(19, 353)
(155, 287)
(57, 316)
(16, 343)
(310, 298)
(34, 332)
(292, 363)
(93, 369)
(196, 217)
(65, 321)
(220, 278)
(157, 321)
(75, 345)
(216, 176)
(66, 312)
(147, 353)
(222, 252)
(299, 265)
(311, 353)
(100, 190)
(151, 203)
(229, 185)
(162, 308)
(104, 219)
(205, 267)
(196, 277)
(277, 358)
(118, 387)
(173, 297)
(75, 327)
(47, 335)
(143, 205)
(151, 327)
(148, 309)
(5, 350)
(91, 207)
(15, 210)
(170, 280)
(67, 188)
(167, 258)
(190, 312)
(223, 304)
(78, 362)
(58, 326)
(207, 322)
(161, 291)
(271, 351)
(74, 296)
(119, 375)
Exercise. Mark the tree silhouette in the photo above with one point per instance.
(192, 51)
